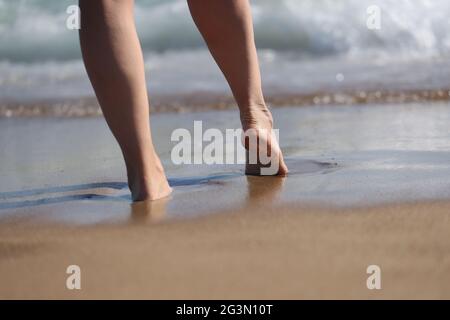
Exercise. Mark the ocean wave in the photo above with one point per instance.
(305, 46)
(34, 30)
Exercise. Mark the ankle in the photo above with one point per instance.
(149, 186)
(256, 116)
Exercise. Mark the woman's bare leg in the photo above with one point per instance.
(114, 62)
(227, 27)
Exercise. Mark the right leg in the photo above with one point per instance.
(113, 59)
(227, 27)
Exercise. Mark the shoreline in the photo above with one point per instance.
(224, 235)
(205, 101)
(54, 169)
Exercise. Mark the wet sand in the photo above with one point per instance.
(368, 185)
(257, 253)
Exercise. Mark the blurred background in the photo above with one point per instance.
(311, 52)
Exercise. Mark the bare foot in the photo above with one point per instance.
(150, 185)
(258, 121)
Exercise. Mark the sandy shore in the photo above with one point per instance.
(257, 253)
(382, 171)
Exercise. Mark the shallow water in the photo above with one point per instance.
(70, 170)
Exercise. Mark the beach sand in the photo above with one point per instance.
(257, 253)
(369, 185)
